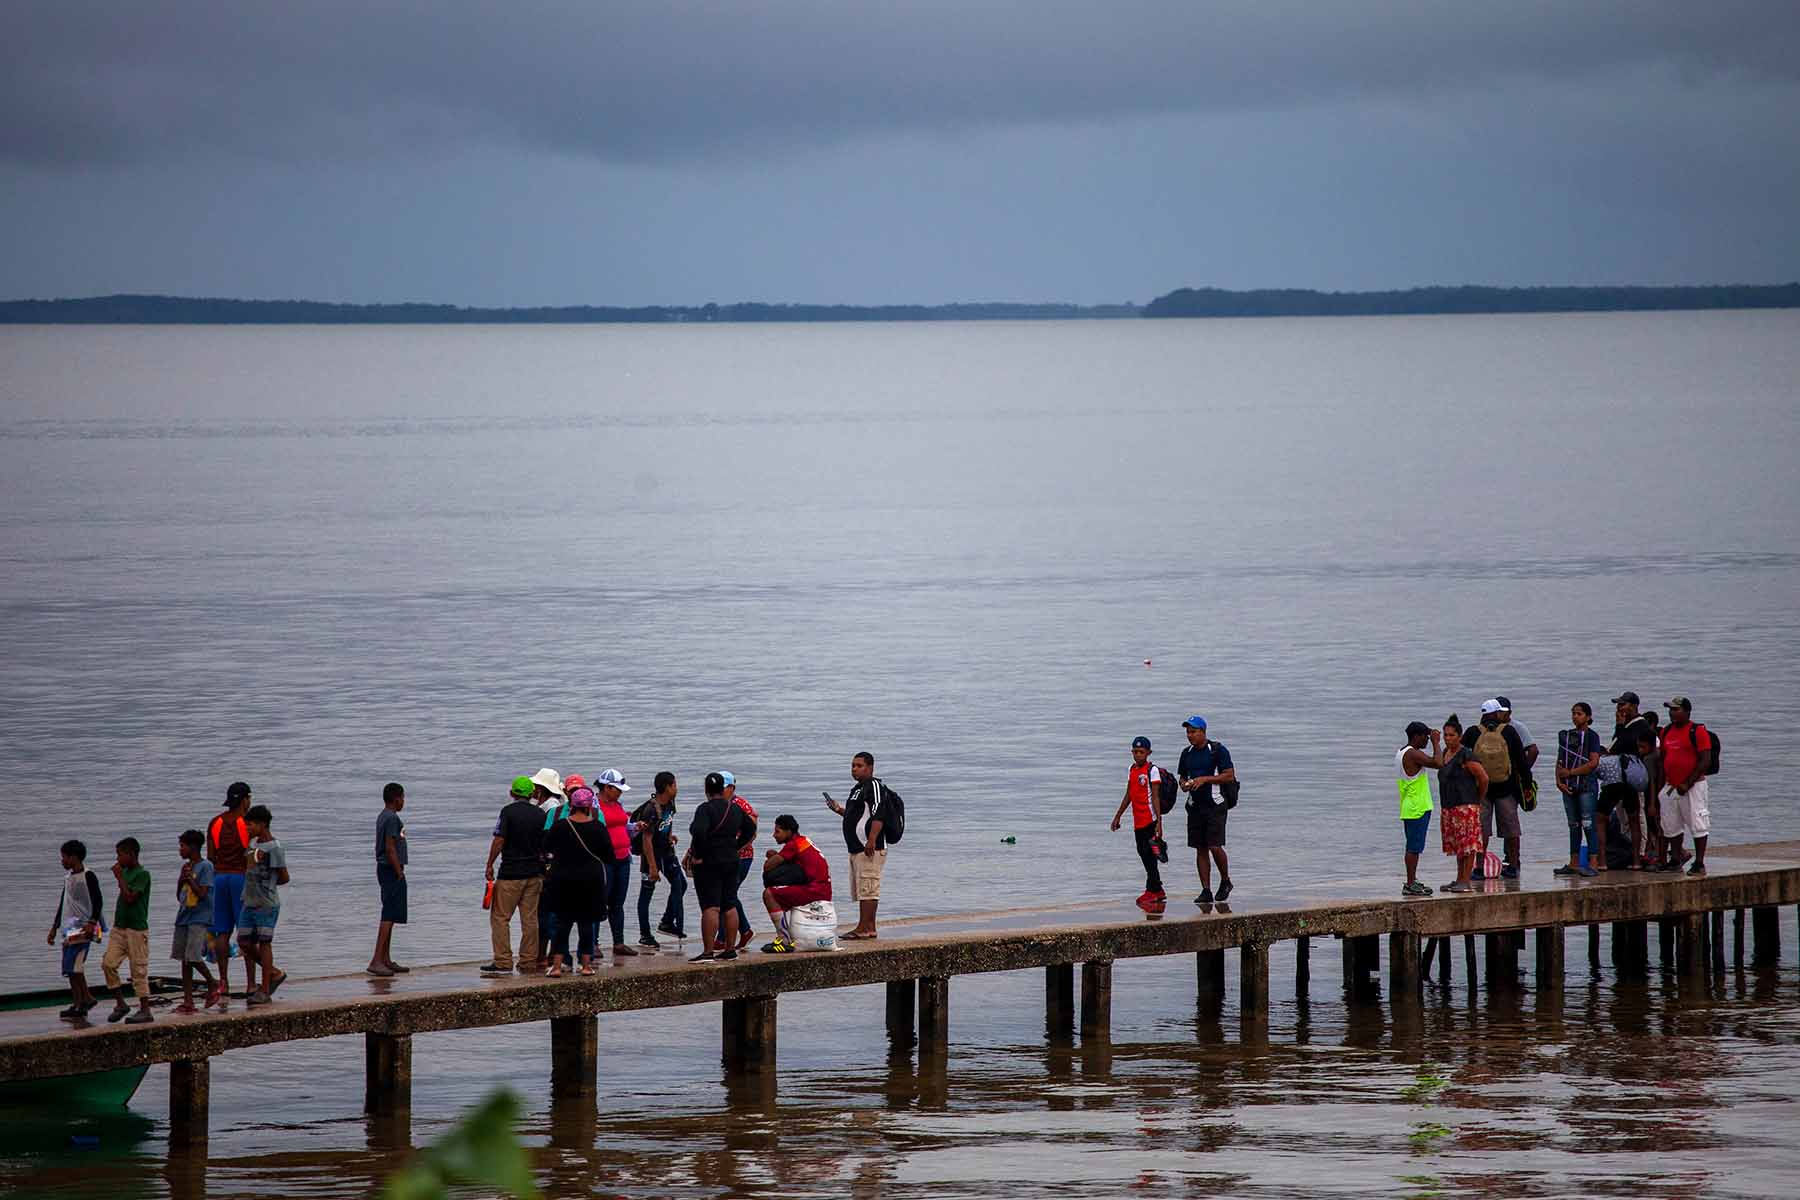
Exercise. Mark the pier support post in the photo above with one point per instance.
(749, 1033)
(387, 1074)
(1403, 966)
(1594, 946)
(1737, 938)
(1209, 978)
(190, 1096)
(1443, 960)
(934, 1014)
(1690, 946)
(1503, 959)
(1469, 958)
(1765, 935)
(1717, 939)
(1253, 990)
(1550, 958)
(1059, 1000)
(574, 1055)
(901, 994)
(1302, 967)
(1096, 1000)
(1665, 942)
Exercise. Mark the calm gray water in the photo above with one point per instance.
(321, 558)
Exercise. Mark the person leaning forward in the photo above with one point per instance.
(865, 814)
(518, 836)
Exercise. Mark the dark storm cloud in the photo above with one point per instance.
(84, 83)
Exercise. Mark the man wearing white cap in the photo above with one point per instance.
(1496, 745)
(549, 793)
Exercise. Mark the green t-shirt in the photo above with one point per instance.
(133, 914)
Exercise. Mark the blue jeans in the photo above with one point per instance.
(674, 915)
(1579, 807)
(559, 936)
(744, 865)
(618, 887)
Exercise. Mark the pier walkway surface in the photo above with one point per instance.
(917, 958)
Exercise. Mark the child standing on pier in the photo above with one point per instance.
(193, 912)
(129, 941)
(1143, 791)
(78, 921)
(262, 906)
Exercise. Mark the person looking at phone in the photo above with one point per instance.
(863, 813)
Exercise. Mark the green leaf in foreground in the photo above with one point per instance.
(483, 1151)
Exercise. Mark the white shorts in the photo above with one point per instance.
(1686, 814)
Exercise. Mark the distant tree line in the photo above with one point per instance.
(180, 310)
(1300, 302)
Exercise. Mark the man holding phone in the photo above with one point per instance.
(864, 814)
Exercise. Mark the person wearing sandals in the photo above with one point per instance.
(1577, 758)
(717, 833)
(1410, 762)
(1462, 785)
(580, 851)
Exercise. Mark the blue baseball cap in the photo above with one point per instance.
(727, 779)
(1194, 722)
(1140, 743)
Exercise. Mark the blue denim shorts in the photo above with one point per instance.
(1416, 829)
(257, 924)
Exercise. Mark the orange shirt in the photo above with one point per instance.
(1141, 785)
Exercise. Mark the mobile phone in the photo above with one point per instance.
(828, 798)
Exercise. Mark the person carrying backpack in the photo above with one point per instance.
(1689, 755)
(1143, 795)
(1205, 763)
(869, 811)
(1496, 745)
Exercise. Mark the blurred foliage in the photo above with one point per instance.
(482, 1151)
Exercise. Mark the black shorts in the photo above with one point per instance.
(393, 893)
(716, 886)
(1206, 825)
(1618, 795)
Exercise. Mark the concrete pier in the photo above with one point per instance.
(916, 959)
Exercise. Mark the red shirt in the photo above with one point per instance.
(1681, 746)
(818, 872)
(1140, 785)
(743, 806)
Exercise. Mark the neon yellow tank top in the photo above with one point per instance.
(1415, 793)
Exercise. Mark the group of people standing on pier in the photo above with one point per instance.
(562, 852)
(1629, 804)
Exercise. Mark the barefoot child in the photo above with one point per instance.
(262, 905)
(129, 940)
(78, 922)
(193, 912)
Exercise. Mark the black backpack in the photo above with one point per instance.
(1228, 791)
(892, 810)
(1709, 759)
(1168, 790)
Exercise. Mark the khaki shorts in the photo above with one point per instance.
(865, 875)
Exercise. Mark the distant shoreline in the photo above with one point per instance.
(1183, 302)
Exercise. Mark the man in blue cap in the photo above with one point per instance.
(1203, 764)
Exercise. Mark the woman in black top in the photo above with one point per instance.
(580, 850)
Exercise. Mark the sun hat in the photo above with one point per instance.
(522, 787)
(572, 782)
(611, 778)
(1194, 722)
(549, 780)
(581, 798)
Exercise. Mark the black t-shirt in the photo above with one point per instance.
(857, 816)
(579, 851)
(1515, 753)
(718, 829)
(1625, 737)
(521, 824)
(1202, 760)
(661, 822)
(1456, 787)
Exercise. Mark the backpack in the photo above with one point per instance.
(1168, 790)
(1492, 752)
(1228, 791)
(892, 810)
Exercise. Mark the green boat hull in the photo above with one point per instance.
(96, 1091)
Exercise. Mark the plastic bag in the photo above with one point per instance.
(813, 926)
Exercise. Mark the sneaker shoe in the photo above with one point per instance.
(490, 971)
(649, 942)
(1415, 888)
(1589, 873)
(665, 927)
(778, 946)
(624, 952)
(255, 998)
(1566, 870)
(397, 969)
(1224, 891)
(1459, 887)
(71, 1012)
(1477, 875)
(1160, 897)
(1509, 872)
(1145, 901)
(725, 955)
(142, 1016)
(1205, 897)
(118, 1013)
(1698, 868)
(705, 956)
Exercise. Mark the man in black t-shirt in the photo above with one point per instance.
(1203, 764)
(518, 837)
(864, 813)
(1632, 734)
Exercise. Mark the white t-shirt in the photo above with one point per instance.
(1520, 728)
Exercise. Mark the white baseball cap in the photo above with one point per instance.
(611, 778)
(1490, 707)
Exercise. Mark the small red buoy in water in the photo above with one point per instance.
(1146, 662)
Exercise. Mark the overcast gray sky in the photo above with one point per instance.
(540, 152)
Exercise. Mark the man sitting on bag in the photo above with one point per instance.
(794, 874)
